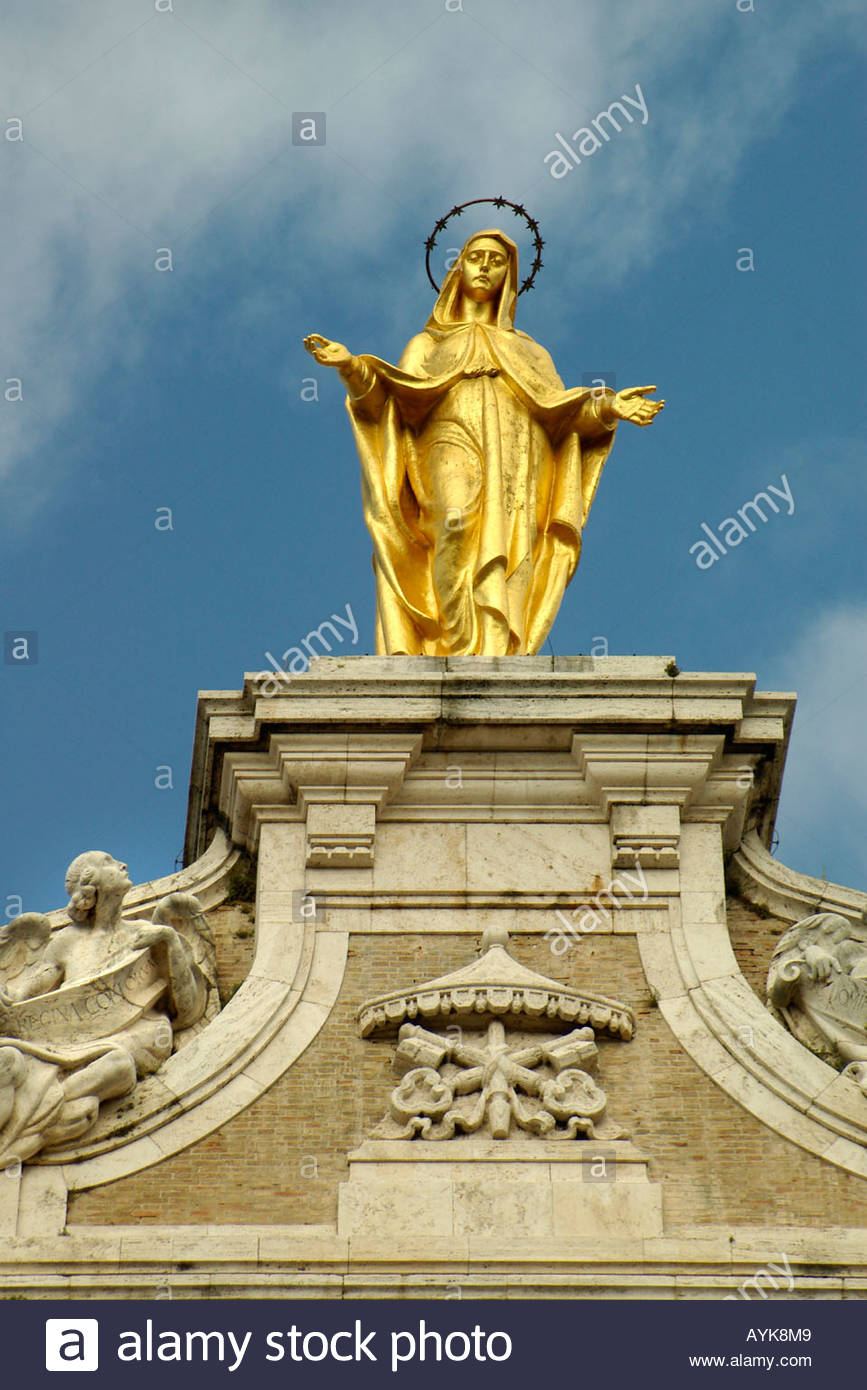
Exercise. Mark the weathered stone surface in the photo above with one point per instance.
(542, 1191)
(89, 1007)
(516, 793)
(817, 985)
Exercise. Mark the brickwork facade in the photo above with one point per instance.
(754, 934)
(281, 1160)
(235, 933)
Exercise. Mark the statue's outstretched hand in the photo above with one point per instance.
(328, 354)
(631, 405)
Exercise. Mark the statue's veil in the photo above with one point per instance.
(445, 311)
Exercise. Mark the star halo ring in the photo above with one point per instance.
(518, 210)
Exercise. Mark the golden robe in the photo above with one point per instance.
(478, 473)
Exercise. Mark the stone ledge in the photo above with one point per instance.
(397, 692)
(313, 1262)
(483, 1151)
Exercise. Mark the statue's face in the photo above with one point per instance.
(112, 877)
(484, 266)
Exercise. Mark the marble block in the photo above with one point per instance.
(401, 1195)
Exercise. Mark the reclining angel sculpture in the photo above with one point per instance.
(92, 1006)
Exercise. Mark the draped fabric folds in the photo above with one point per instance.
(478, 473)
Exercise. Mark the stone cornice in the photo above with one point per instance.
(311, 769)
(789, 895)
(313, 1261)
(560, 696)
(496, 986)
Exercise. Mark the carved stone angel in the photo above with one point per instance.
(90, 1007)
(817, 986)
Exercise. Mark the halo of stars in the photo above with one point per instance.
(518, 210)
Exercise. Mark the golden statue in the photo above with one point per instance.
(478, 467)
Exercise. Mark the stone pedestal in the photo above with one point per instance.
(363, 750)
(404, 1194)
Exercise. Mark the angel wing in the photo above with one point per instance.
(22, 942)
(186, 914)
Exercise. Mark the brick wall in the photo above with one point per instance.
(754, 934)
(235, 935)
(282, 1159)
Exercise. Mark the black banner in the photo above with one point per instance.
(417, 1342)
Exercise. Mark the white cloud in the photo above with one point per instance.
(143, 132)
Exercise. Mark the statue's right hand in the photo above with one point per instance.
(327, 354)
(822, 964)
(149, 934)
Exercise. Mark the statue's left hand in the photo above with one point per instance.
(631, 405)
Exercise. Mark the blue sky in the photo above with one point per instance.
(143, 389)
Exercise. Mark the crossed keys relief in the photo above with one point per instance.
(473, 1076)
(456, 1085)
